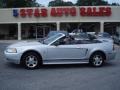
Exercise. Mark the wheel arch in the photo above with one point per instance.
(98, 51)
(21, 61)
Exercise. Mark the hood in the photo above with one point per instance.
(25, 43)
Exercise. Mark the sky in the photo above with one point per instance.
(45, 2)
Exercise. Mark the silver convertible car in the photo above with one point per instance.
(60, 49)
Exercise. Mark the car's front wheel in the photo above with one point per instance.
(31, 60)
(97, 59)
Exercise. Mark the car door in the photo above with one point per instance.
(65, 52)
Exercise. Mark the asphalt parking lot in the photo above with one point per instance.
(60, 77)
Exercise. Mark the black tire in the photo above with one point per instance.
(31, 60)
(97, 59)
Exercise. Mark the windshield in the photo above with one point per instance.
(51, 33)
(81, 35)
(52, 38)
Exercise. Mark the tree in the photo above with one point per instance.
(91, 2)
(20, 3)
(60, 3)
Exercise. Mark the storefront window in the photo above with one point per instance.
(84, 26)
(8, 31)
(36, 30)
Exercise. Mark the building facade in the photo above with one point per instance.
(34, 23)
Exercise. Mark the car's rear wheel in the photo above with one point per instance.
(31, 60)
(97, 59)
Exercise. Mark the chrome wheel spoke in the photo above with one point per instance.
(31, 61)
(98, 60)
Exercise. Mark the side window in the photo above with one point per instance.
(59, 42)
(64, 41)
(56, 43)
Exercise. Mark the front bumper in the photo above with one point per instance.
(13, 57)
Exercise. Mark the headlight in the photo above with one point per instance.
(11, 50)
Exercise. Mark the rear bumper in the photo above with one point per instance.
(111, 56)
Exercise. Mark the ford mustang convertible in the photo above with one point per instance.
(60, 49)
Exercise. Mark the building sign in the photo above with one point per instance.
(62, 11)
(30, 12)
(93, 11)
